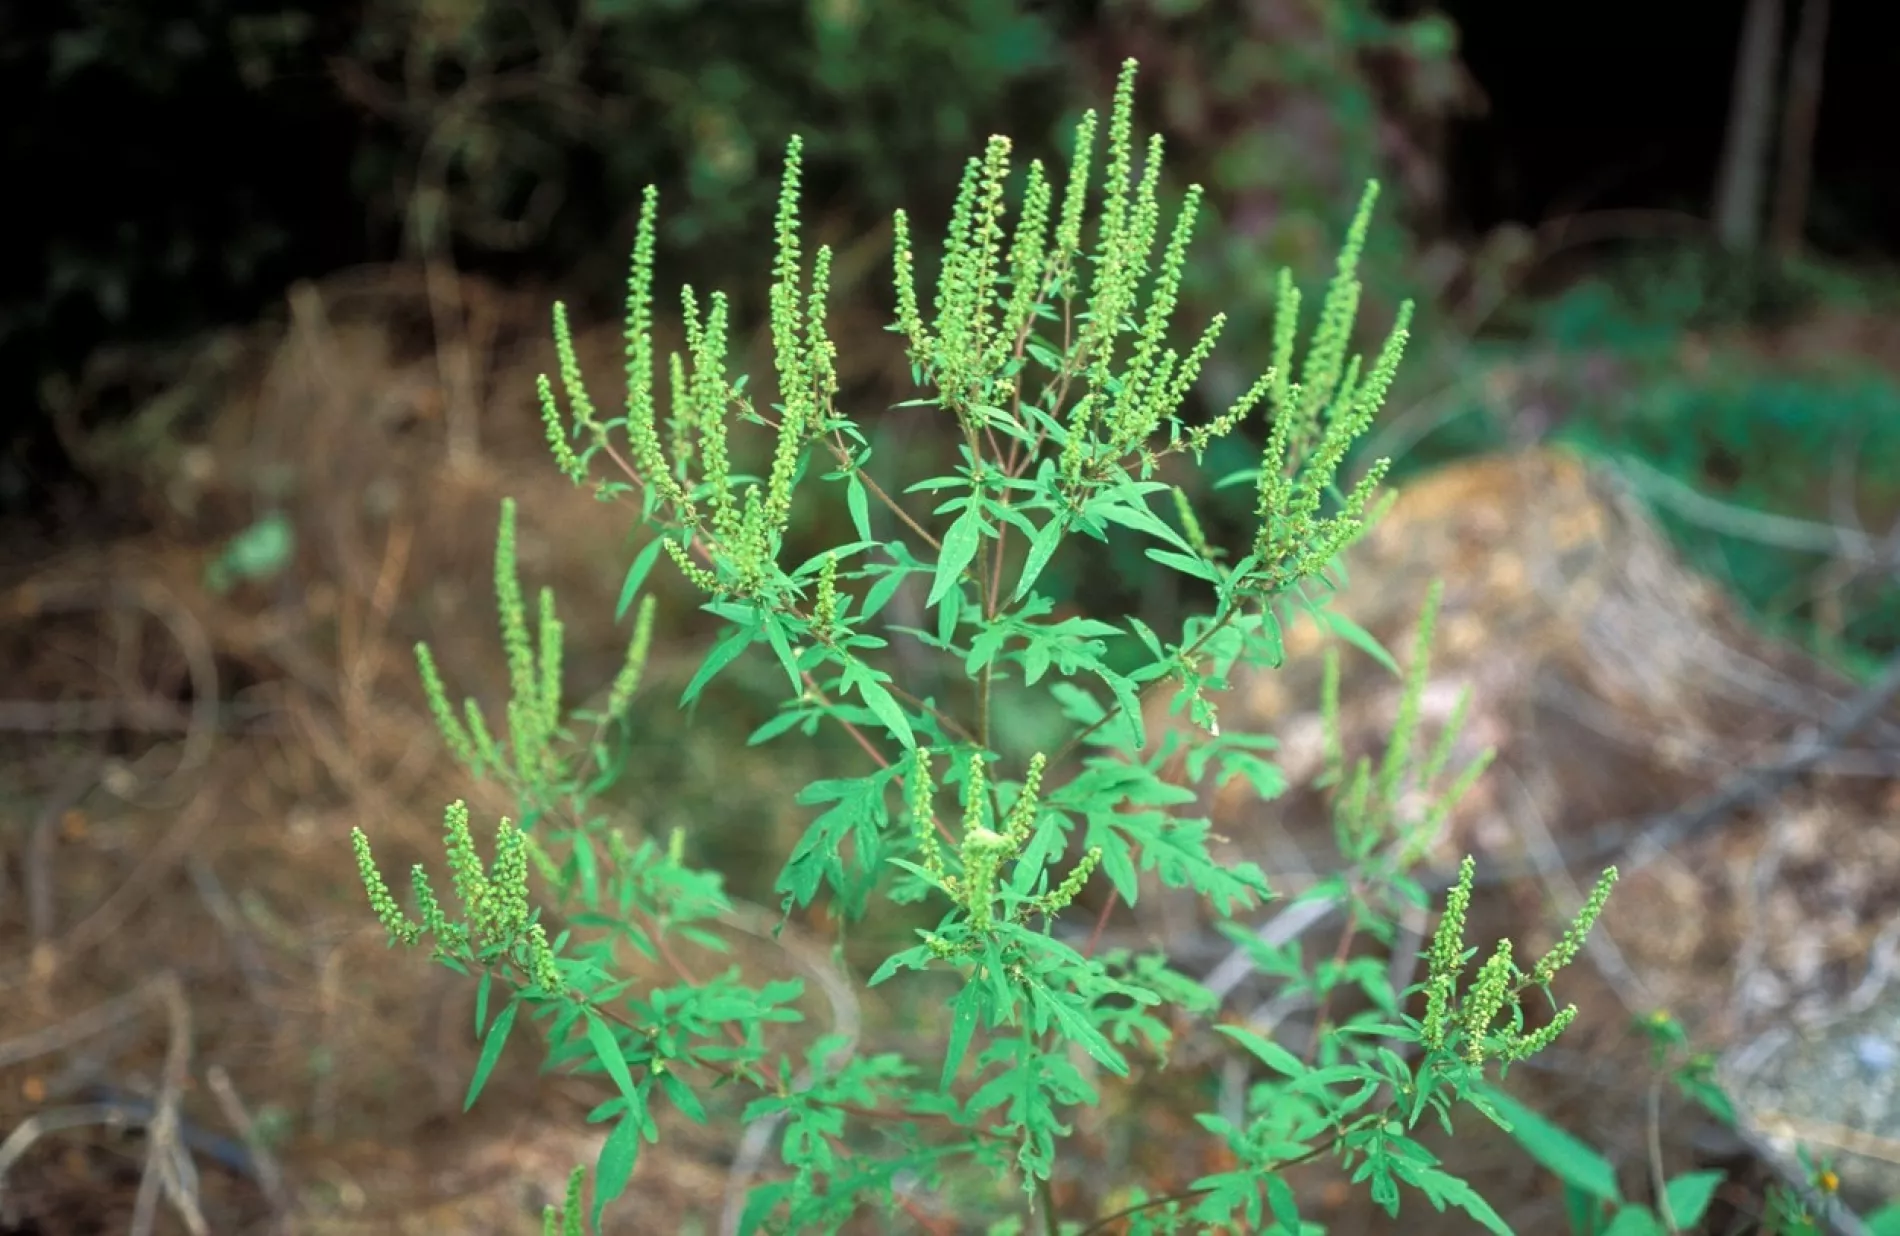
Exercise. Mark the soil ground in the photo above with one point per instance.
(188, 745)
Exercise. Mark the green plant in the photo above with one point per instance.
(956, 857)
(1593, 1199)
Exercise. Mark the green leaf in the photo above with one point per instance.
(636, 575)
(964, 1013)
(1358, 637)
(1040, 550)
(866, 682)
(1269, 1053)
(775, 635)
(1130, 701)
(949, 614)
(1078, 1029)
(1035, 663)
(1712, 1098)
(1443, 1187)
(1635, 1221)
(884, 589)
(1076, 704)
(491, 1051)
(936, 482)
(820, 855)
(258, 552)
(607, 1051)
(1184, 563)
(1226, 1193)
(735, 641)
(587, 873)
(1127, 507)
(1146, 635)
(1119, 866)
(481, 1000)
(1570, 1160)
(1044, 355)
(1176, 849)
(614, 1168)
(778, 725)
(917, 958)
(681, 1096)
(1689, 1196)
(1280, 1200)
(860, 504)
(959, 547)
(1030, 1085)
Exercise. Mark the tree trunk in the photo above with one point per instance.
(1741, 183)
(1796, 171)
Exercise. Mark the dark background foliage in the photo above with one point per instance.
(177, 164)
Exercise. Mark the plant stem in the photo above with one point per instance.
(1046, 1202)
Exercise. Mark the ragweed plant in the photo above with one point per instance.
(1049, 346)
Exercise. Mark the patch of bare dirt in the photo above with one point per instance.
(203, 1030)
(183, 763)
